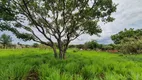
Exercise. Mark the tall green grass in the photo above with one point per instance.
(81, 65)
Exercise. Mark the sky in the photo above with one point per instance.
(128, 15)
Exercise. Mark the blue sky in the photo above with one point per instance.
(128, 15)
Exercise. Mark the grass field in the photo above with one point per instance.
(40, 64)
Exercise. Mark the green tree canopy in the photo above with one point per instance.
(5, 11)
(62, 20)
(123, 36)
(35, 45)
(5, 40)
(92, 44)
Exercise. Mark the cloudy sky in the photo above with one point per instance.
(128, 15)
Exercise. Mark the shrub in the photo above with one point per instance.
(132, 46)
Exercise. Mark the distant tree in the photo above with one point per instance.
(63, 20)
(107, 47)
(27, 46)
(123, 36)
(128, 41)
(19, 43)
(100, 46)
(5, 40)
(79, 46)
(72, 46)
(92, 44)
(35, 45)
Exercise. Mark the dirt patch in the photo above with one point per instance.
(33, 75)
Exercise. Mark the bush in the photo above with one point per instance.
(107, 47)
(132, 46)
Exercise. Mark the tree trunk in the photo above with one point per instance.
(62, 46)
(55, 52)
(62, 54)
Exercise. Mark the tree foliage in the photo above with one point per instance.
(123, 36)
(35, 45)
(91, 44)
(62, 20)
(128, 41)
(5, 11)
(132, 46)
(5, 40)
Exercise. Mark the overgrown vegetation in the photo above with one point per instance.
(94, 45)
(24, 64)
(132, 46)
(128, 41)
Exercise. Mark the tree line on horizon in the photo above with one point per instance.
(128, 41)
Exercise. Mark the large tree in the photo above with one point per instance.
(60, 20)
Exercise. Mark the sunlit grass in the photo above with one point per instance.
(16, 64)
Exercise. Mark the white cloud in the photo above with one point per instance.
(128, 15)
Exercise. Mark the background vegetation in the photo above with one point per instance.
(128, 41)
